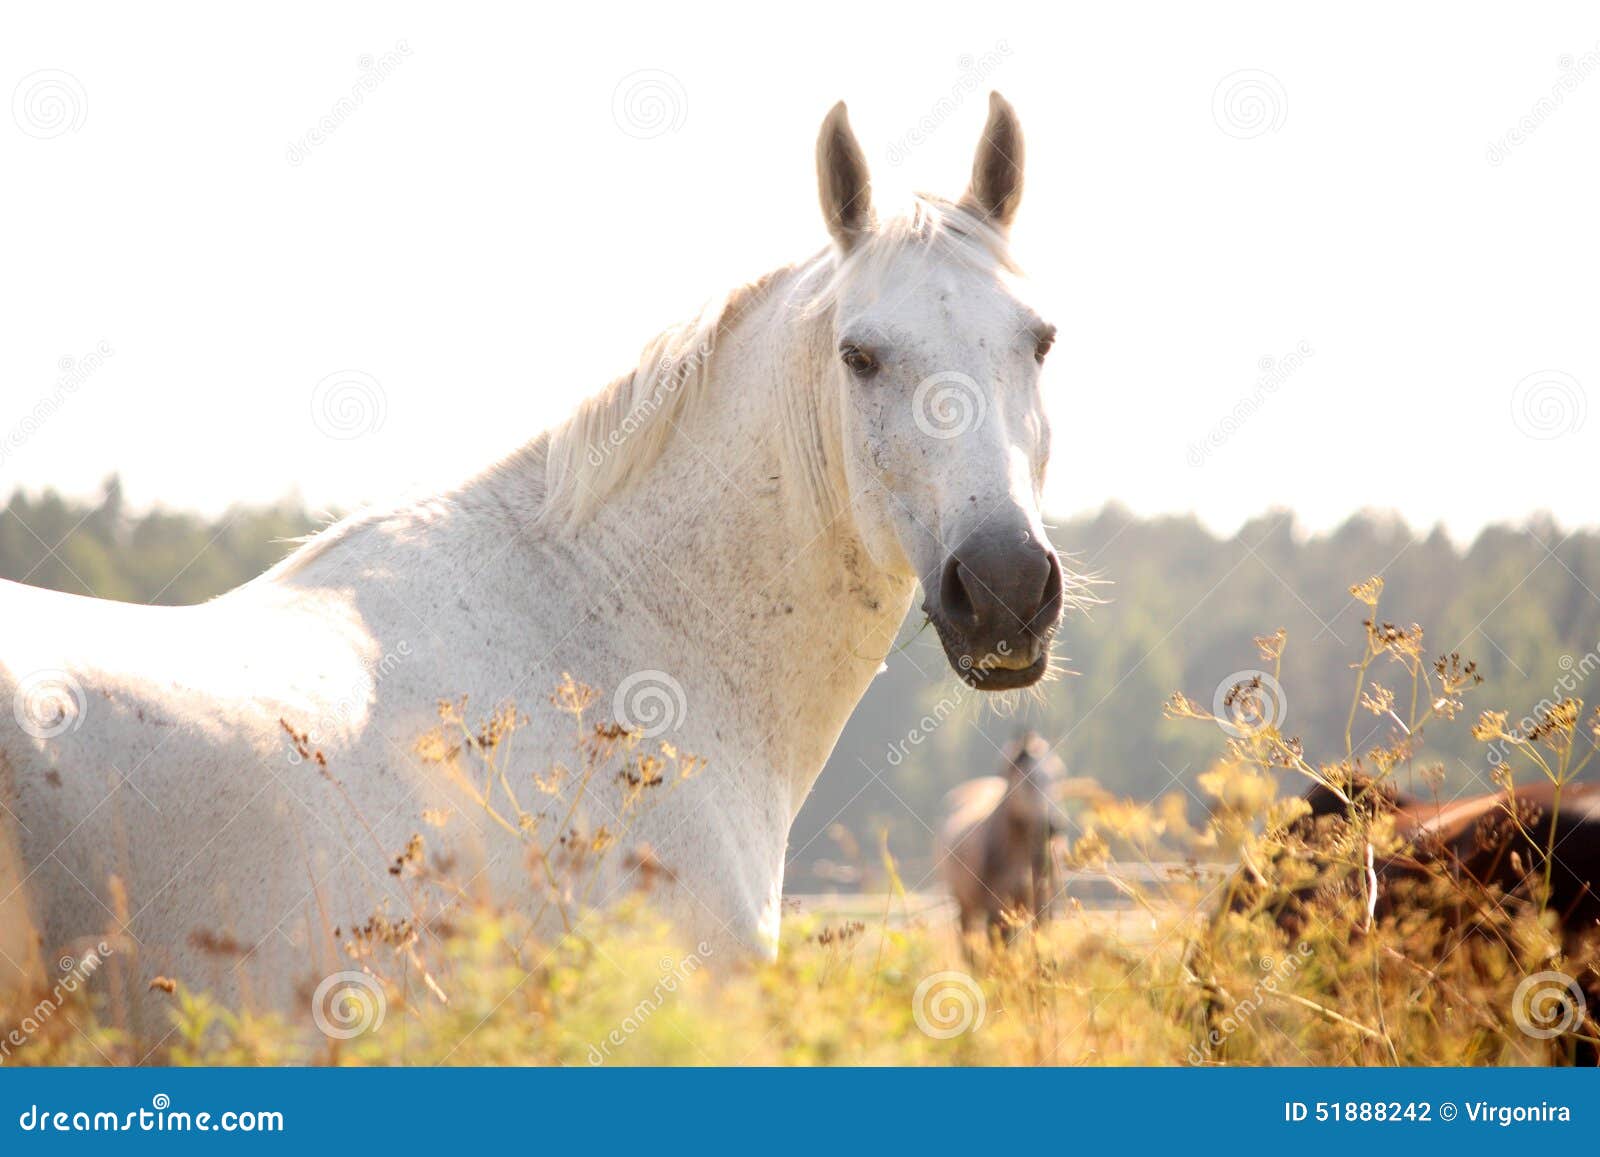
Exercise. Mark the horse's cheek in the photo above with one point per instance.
(878, 452)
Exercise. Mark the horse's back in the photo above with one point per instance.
(968, 807)
(144, 774)
(962, 842)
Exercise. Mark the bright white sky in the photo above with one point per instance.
(484, 240)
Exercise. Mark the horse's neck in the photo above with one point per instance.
(717, 556)
(721, 542)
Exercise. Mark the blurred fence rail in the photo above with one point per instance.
(1103, 888)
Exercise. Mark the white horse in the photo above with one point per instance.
(723, 541)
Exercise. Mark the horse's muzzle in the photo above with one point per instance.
(995, 604)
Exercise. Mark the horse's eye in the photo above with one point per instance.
(1045, 342)
(859, 361)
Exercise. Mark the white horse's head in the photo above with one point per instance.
(945, 438)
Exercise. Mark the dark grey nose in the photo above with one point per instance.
(1001, 588)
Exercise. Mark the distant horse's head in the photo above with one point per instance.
(936, 359)
(1032, 771)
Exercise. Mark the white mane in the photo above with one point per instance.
(934, 228)
(618, 433)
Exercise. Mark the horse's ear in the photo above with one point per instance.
(842, 179)
(996, 188)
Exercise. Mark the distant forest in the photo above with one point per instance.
(1181, 608)
(169, 558)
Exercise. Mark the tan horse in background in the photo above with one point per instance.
(994, 846)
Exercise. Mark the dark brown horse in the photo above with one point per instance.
(994, 846)
(1500, 842)
(1495, 851)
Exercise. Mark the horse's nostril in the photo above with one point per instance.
(954, 597)
(1050, 597)
(993, 595)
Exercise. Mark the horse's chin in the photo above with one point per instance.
(995, 673)
(1006, 678)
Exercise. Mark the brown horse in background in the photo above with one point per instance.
(1495, 847)
(994, 845)
(1497, 841)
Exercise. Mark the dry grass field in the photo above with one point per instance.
(1192, 963)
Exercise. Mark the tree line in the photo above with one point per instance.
(1179, 612)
